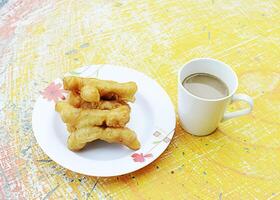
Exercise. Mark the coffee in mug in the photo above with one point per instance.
(206, 86)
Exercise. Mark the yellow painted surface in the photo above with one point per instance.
(241, 160)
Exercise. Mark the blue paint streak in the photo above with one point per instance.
(71, 52)
(50, 193)
(24, 151)
(88, 195)
(45, 161)
(85, 45)
(3, 2)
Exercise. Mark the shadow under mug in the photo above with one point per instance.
(201, 116)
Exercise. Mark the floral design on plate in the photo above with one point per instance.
(166, 140)
(157, 134)
(160, 137)
(53, 92)
(140, 157)
(86, 72)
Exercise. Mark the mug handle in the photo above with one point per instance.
(240, 97)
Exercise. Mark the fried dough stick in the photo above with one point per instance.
(79, 118)
(75, 100)
(92, 89)
(78, 139)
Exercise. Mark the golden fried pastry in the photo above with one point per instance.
(107, 89)
(102, 105)
(75, 100)
(96, 109)
(79, 118)
(70, 128)
(78, 139)
(90, 93)
(108, 105)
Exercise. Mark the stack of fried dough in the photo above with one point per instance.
(97, 109)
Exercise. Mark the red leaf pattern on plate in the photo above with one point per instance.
(140, 157)
(53, 92)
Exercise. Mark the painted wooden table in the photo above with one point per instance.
(41, 40)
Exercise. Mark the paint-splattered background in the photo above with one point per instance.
(42, 39)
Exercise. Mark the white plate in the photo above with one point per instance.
(152, 118)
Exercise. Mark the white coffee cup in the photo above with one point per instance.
(201, 116)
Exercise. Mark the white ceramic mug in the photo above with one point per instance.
(201, 116)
